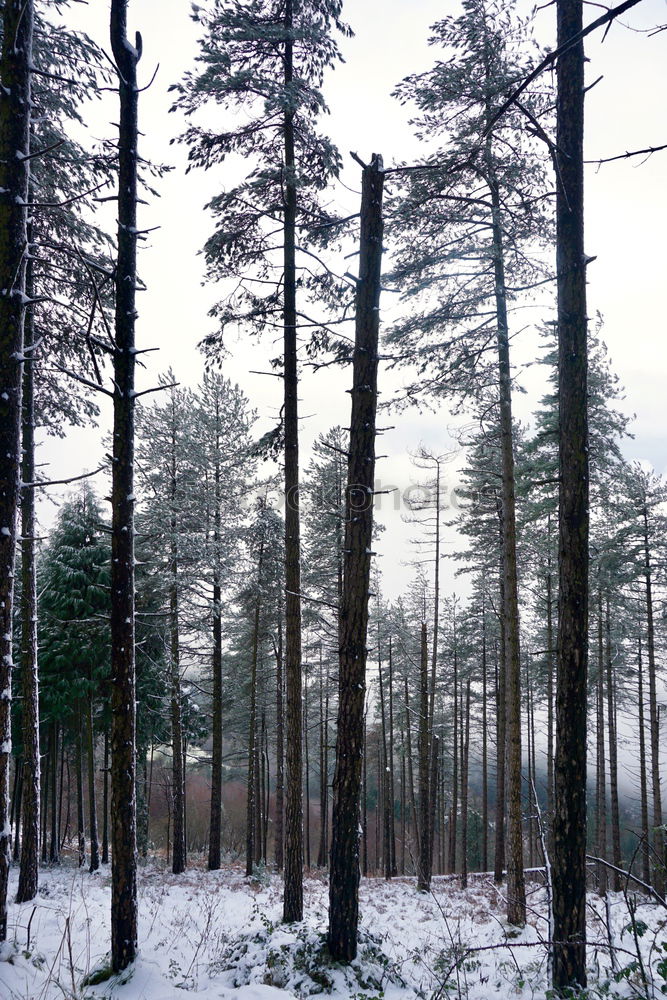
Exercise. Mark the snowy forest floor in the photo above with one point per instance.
(218, 935)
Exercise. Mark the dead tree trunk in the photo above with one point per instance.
(17, 27)
(569, 836)
(344, 880)
(123, 696)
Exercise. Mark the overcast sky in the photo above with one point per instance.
(625, 225)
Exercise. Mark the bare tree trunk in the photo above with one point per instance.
(550, 697)
(92, 806)
(123, 695)
(280, 753)
(15, 811)
(613, 759)
(293, 893)
(453, 822)
(465, 758)
(29, 872)
(601, 776)
(392, 815)
(15, 107)
(499, 846)
(251, 803)
(403, 812)
(105, 804)
(485, 756)
(215, 828)
(56, 800)
(569, 837)
(424, 866)
(411, 778)
(344, 880)
(306, 768)
(386, 824)
(643, 782)
(324, 766)
(364, 809)
(80, 825)
(654, 722)
(516, 890)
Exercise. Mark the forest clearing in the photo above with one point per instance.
(333, 500)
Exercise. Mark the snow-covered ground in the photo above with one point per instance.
(218, 935)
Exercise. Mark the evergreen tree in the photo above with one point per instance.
(269, 56)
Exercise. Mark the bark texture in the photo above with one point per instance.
(29, 871)
(14, 177)
(344, 879)
(569, 835)
(293, 847)
(123, 697)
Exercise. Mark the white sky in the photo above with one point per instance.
(626, 223)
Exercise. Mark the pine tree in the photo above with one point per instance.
(15, 103)
(123, 679)
(270, 56)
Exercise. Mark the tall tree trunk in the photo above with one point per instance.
(516, 890)
(654, 721)
(364, 809)
(411, 778)
(550, 697)
(643, 782)
(386, 824)
(499, 846)
(56, 799)
(569, 861)
(105, 803)
(92, 806)
(15, 106)
(179, 851)
(293, 892)
(123, 694)
(453, 822)
(324, 766)
(251, 803)
(601, 770)
(306, 769)
(484, 860)
(15, 811)
(392, 815)
(45, 802)
(424, 866)
(344, 880)
(403, 812)
(613, 759)
(280, 754)
(29, 872)
(80, 823)
(215, 827)
(465, 757)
